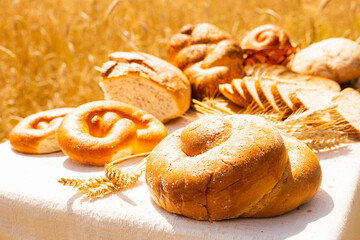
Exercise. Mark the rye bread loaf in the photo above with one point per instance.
(258, 70)
(245, 88)
(287, 83)
(304, 96)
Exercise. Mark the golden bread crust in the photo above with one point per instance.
(265, 36)
(36, 130)
(207, 55)
(225, 167)
(268, 44)
(97, 132)
(163, 74)
(299, 183)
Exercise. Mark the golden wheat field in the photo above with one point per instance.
(51, 50)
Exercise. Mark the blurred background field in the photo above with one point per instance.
(50, 50)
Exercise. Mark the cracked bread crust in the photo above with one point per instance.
(217, 167)
(298, 184)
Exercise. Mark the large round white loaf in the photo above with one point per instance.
(334, 58)
(146, 82)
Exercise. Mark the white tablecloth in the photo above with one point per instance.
(33, 205)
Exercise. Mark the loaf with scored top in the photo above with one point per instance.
(147, 82)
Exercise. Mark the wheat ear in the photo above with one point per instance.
(114, 178)
(322, 129)
(328, 141)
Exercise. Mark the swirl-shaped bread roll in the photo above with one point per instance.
(267, 44)
(37, 133)
(266, 36)
(235, 166)
(207, 55)
(99, 132)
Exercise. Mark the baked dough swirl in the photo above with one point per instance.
(265, 36)
(235, 166)
(207, 55)
(37, 132)
(267, 44)
(99, 132)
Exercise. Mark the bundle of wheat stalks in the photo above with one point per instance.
(322, 129)
(114, 179)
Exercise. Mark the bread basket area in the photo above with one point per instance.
(252, 138)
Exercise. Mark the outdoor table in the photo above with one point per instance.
(33, 205)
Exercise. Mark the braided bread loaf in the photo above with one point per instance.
(208, 57)
(235, 166)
